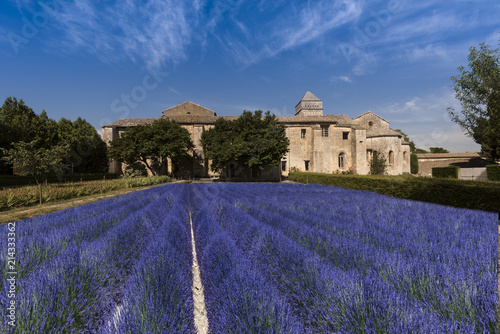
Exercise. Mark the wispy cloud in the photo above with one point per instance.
(297, 25)
(425, 119)
(150, 33)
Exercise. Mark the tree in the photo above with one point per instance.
(438, 150)
(477, 87)
(152, 144)
(36, 162)
(420, 150)
(378, 164)
(407, 139)
(88, 152)
(252, 140)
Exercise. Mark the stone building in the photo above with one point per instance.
(318, 143)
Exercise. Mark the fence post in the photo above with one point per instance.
(40, 188)
(101, 187)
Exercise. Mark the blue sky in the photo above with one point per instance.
(106, 60)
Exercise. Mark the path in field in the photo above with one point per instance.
(200, 312)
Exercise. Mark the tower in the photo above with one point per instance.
(309, 105)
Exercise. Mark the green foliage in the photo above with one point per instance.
(378, 164)
(438, 150)
(145, 181)
(478, 90)
(152, 144)
(493, 172)
(135, 170)
(251, 140)
(19, 123)
(36, 162)
(414, 164)
(29, 195)
(17, 180)
(450, 172)
(480, 195)
(88, 152)
(420, 150)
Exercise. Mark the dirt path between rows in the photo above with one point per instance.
(200, 312)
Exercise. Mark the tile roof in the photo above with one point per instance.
(308, 96)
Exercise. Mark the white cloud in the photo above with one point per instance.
(425, 120)
(345, 79)
(295, 26)
(151, 33)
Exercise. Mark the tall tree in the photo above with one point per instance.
(477, 87)
(152, 144)
(251, 140)
(88, 152)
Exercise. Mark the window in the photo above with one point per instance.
(302, 133)
(391, 157)
(368, 155)
(370, 123)
(405, 157)
(306, 164)
(283, 166)
(345, 135)
(341, 160)
(324, 131)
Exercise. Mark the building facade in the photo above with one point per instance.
(318, 143)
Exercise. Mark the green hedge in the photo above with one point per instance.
(493, 172)
(413, 164)
(450, 172)
(480, 195)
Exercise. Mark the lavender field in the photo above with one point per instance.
(273, 258)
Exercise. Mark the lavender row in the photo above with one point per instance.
(415, 229)
(456, 288)
(42, 238)
(325, 298)
(77, 289)
(238, 299)
(158, 296)
(448, 260)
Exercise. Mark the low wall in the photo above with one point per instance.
(473, 174)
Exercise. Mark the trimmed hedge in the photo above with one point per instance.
(450, 172)
(493, 172)
(480, 195)
(413, 164)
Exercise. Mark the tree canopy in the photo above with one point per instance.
(252, 140)
(152, 144)
(477, 87)
(19, 123)
(36, 162)
(438, 150)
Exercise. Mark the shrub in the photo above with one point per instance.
(450, 172)
(493, 172)
(378, 164)
(135, 170)
(414, 164)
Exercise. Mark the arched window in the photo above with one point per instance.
(391, 157)
(341, 160)
(405, 158)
